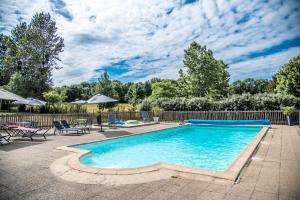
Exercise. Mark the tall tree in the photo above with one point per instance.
(206, 76)
(147, 88)
(54, 99)
(5, 72)
(271, 85)
(164, 89)
(288, 78)
(249, 85)
(135, 94)
(105, 86)
(33, 52)
(121, 90)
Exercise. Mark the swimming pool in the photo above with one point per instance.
(208, 147)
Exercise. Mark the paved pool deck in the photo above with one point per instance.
(273, 173)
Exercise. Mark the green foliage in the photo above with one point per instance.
(235, 102)
(124, 92)
(73, 92)
(250, 86)
(5, 72)
(165, 88)
(135, 94)
(145, 105)
(32, 54)
(288, 110)
(205, 76)
(271, 85)
(156, 110)
(77, 91)
(148, 87)
(105, 86)
(288, 78)
(112, 88)
(54, 99)
(121, 90)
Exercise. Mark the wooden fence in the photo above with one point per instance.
(277, 117)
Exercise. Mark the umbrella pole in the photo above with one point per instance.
(101, 129)
(30, 113)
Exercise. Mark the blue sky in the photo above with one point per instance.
(137, 40)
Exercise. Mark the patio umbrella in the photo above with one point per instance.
(9, 96)
(30, 102)
(101, 99)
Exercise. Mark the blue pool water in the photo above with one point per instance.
(209, 147)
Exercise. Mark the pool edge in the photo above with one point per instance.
(231, 174)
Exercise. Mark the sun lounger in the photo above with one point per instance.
(9, 129)
(65, 125)
(4, 137)
(30, 132)
(112, 120)
(15, 130)
(61, 129)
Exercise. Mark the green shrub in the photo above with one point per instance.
(156, 110)
(235, 102)
(145, 105)
(288, 110)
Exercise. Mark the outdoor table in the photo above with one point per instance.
(80, 122)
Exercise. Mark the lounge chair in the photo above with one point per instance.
(61, 129)
(15, 130)
(30, 132)
(66, 125)
(4, 137)
(112, 120)
(145, 116)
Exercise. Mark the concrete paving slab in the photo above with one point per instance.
(26, 172)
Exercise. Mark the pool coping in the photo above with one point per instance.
(231, 173)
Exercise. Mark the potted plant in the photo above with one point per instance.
(156, 111)
(288, 111)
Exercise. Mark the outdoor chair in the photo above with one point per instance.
(66, 125)
(61, 129)
(9, 130)
(145, 116)
(30, 132)
(15, 130)
(4, 137)
(112, 120)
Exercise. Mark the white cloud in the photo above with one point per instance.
(263, 66)
(105, 32)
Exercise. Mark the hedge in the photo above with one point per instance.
(235, 102)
